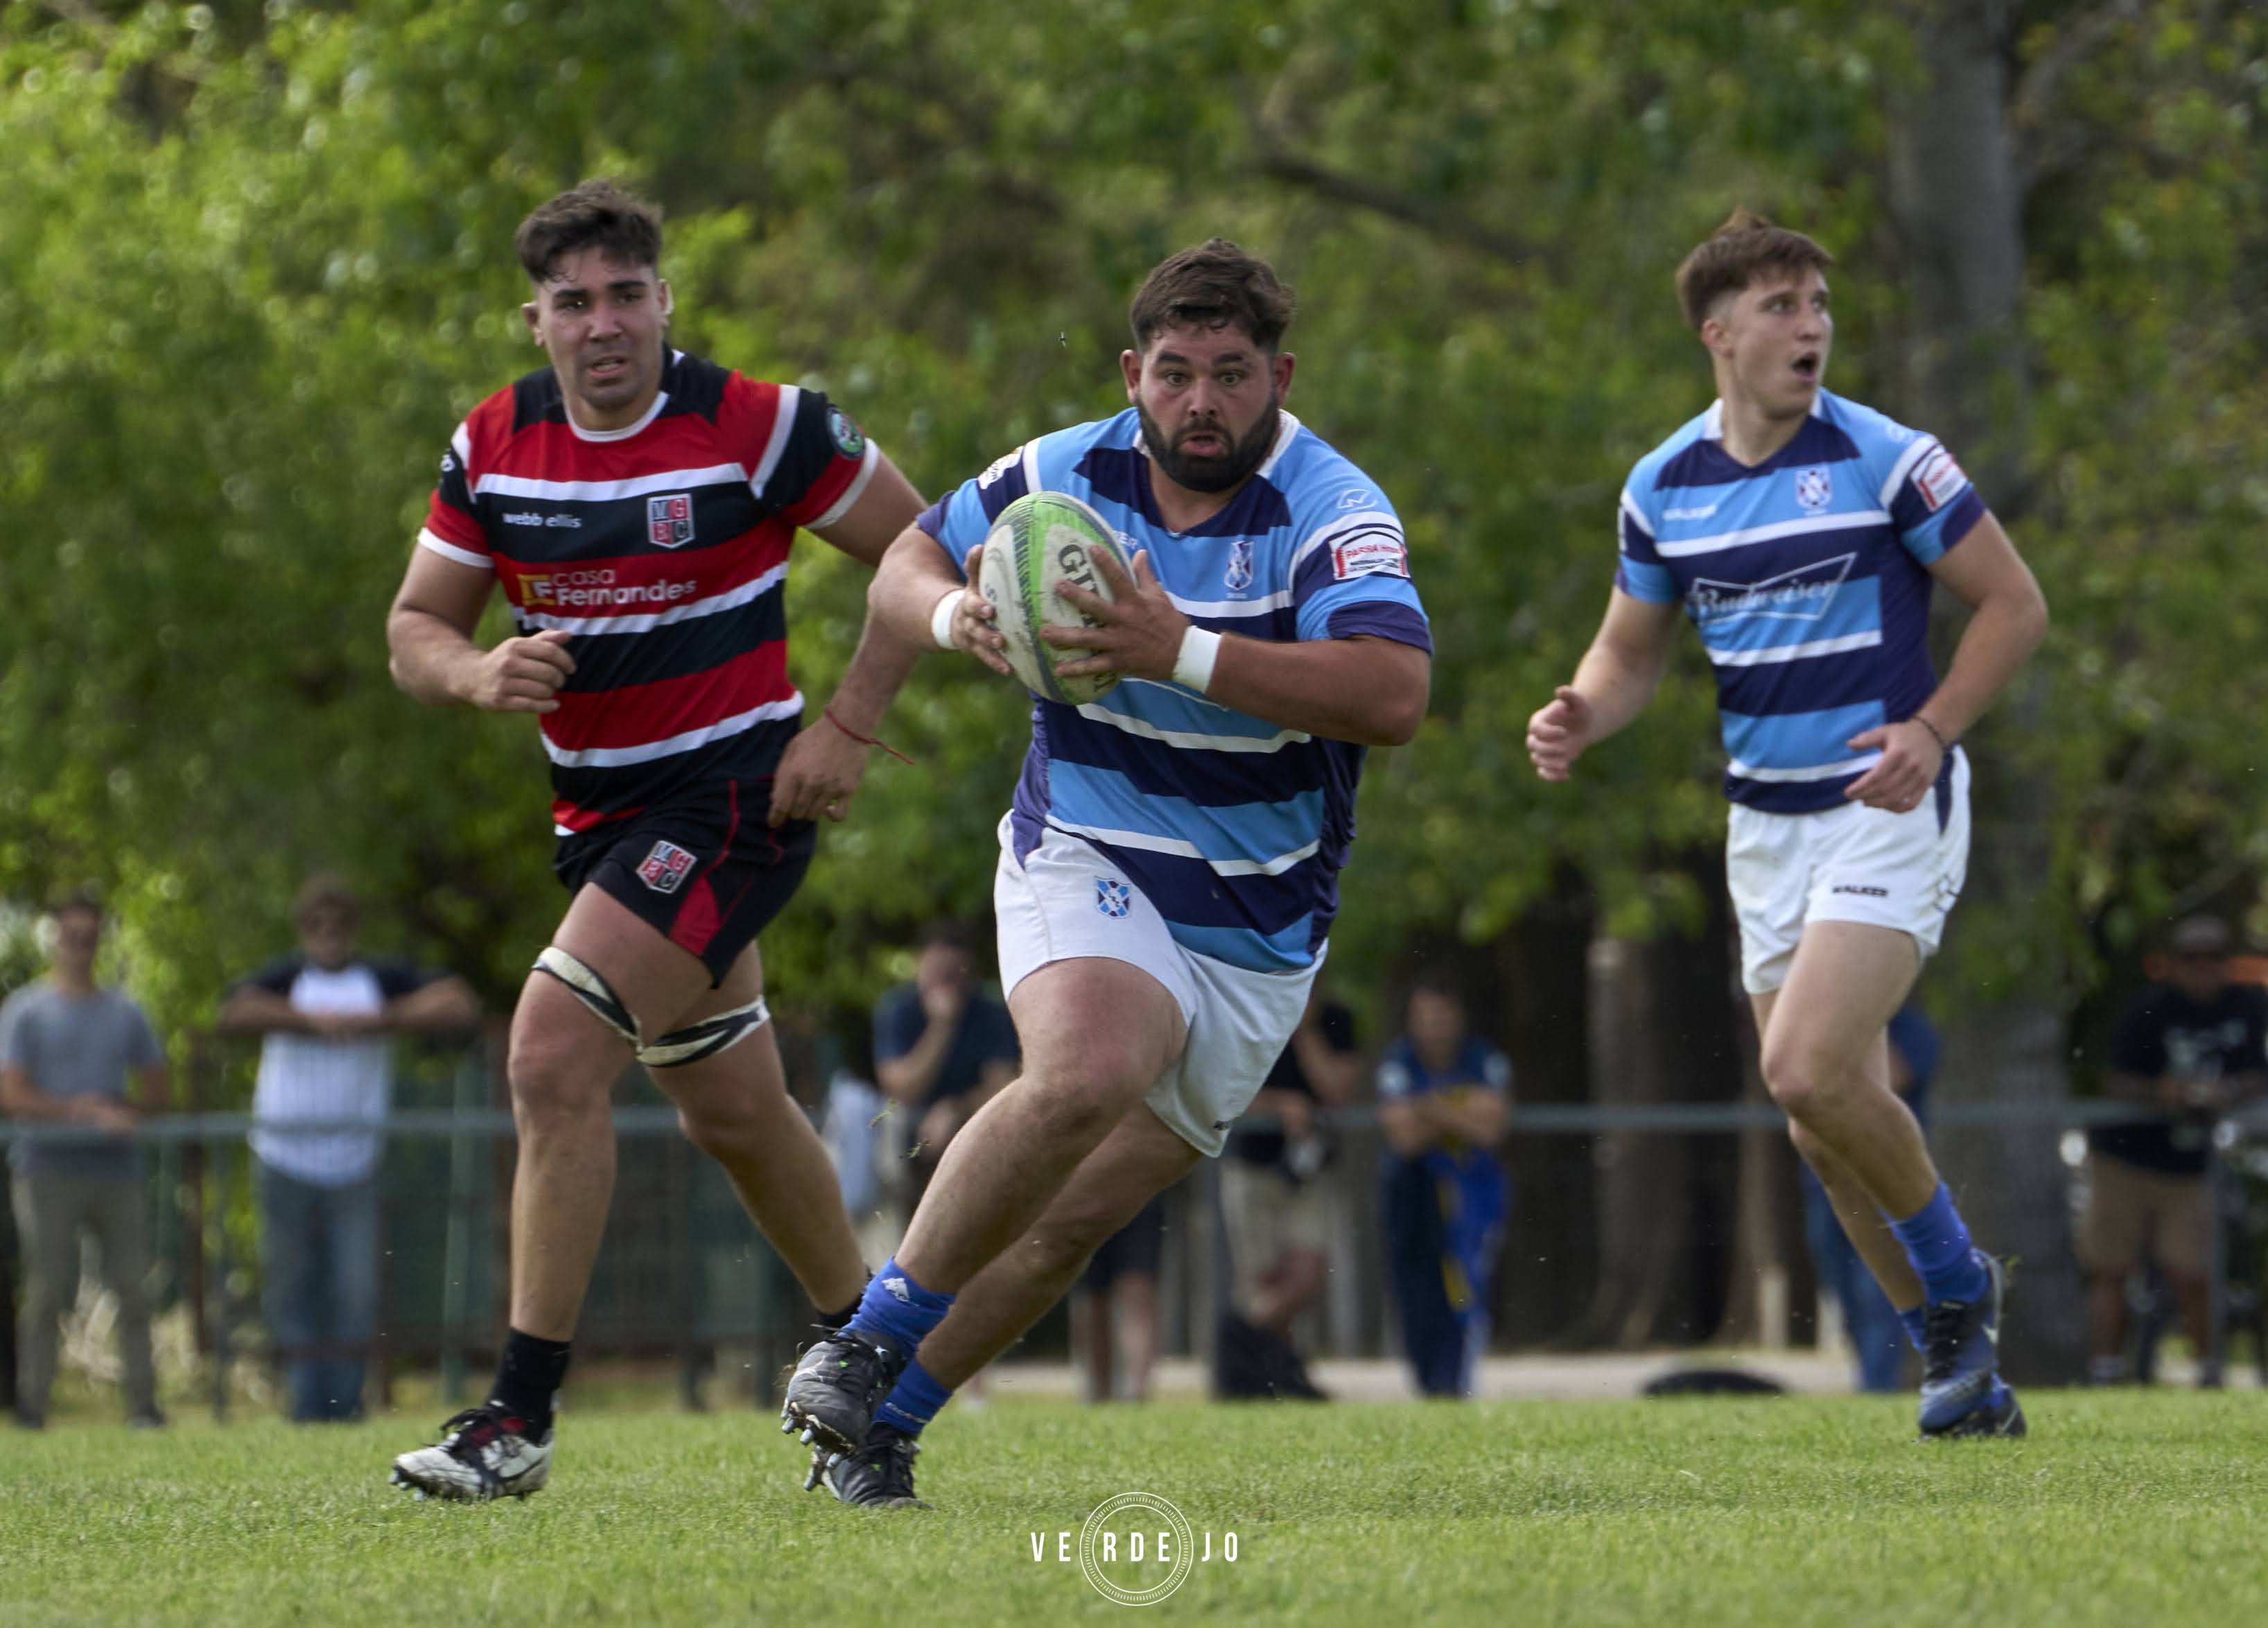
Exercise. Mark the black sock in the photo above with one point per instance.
(836, 1319)
(528, 1378)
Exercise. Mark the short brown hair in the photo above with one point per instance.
(325, 890)
(598, 215)
(1215, 284)
(1745, 247)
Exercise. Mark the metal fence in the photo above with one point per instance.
(682, 1276)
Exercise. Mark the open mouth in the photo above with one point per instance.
(1204, 443)
(1807, 367)
(607, 368)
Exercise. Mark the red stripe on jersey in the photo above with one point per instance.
(639, 714)
(446, 520)
(568, 817)
(638, 583)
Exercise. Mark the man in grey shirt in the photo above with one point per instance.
(67, 1046)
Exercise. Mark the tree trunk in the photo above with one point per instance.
(1956, 205)
(1661, 1016)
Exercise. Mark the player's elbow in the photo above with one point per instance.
(1397, 713)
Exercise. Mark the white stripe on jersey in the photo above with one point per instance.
(451, 551)
(1355, 521)
(1231, 608)
(644, 621)
(851, 494)
(782, 426)
(1148, 731)
(1151, 844)
(1816, 771)
(1797, 652)
(1923, 446)
(605, 491)
(1766, 534)
(670, 746)
(1637, 515)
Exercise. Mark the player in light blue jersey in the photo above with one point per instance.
(1801, 534)
(1168, 870)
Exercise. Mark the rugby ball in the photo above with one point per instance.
(1041, 542)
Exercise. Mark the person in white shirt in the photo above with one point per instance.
(328, 1015)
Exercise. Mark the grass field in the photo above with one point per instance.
(2122, 1508)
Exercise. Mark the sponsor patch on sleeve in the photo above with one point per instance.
(1370, 553)
(1939, 479)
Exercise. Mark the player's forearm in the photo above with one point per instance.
(25, 1101)
(879, 668)
(2002, 633)
(903, 597)
(432, 660)
(446, 1006)
(1618, 685)
(910, 1078)
(1368, 691)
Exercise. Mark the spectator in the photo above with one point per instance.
(1444, 1097)
(2188, 1049)
(1113, 1308)
(1878, 1340)
(1276, 1207)
(942, 1046)
(67, 1046)
(327, 1014)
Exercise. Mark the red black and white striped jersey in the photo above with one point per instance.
(663, 550)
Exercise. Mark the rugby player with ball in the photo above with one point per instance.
(1168, 869)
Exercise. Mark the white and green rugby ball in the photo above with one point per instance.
(1041, 542)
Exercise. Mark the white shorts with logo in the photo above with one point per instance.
(1855, 864)
(1065, 901)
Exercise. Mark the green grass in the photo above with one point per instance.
(2122, 1508)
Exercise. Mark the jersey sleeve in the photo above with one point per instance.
(1351, 569)
(961, 519)
(277, 977)
(143, 1048)
(398, 976)
(453, 528)
(808, 462)
(1932, 502)
(1640, 572)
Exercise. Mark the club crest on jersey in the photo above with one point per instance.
(666, 867)
(1814, 489)
(1238, 577)
(1113, 898)
(669, 520)
(1938, 478)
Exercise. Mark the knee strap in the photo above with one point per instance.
(698, 1042)
(592, 991)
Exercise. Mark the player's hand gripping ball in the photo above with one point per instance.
(1041, 541)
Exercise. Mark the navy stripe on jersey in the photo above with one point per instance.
(1707, 463)
(596, 795)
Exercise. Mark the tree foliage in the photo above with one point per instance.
(254, 263)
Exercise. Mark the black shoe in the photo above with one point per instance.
(880, 1474)
(2001, 1415)
(147, 1419)
(832, 1396)
(30, 1419)
(484, 1453)
(1961, 1357)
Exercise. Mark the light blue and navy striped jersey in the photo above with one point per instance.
(1806, 576)
(1235, 829)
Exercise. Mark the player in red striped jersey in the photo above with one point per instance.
(636, 506)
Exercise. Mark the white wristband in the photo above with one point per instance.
(1193, 668)
(940, 620)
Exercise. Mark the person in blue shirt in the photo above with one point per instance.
(943, 1047)
(1444, 1099)
(1169, 865)
(1878, 1344)
(1801, 533)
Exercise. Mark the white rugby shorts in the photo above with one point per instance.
(1855, 864)
(1064, 901)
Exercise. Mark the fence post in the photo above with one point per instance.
(457, 1241)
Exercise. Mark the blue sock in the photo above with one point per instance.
(1938, 1245)
(899, 1309)
(915, 1401)
(1917, 1326)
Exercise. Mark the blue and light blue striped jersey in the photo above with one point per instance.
(1806, 576)
(1234, 828)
